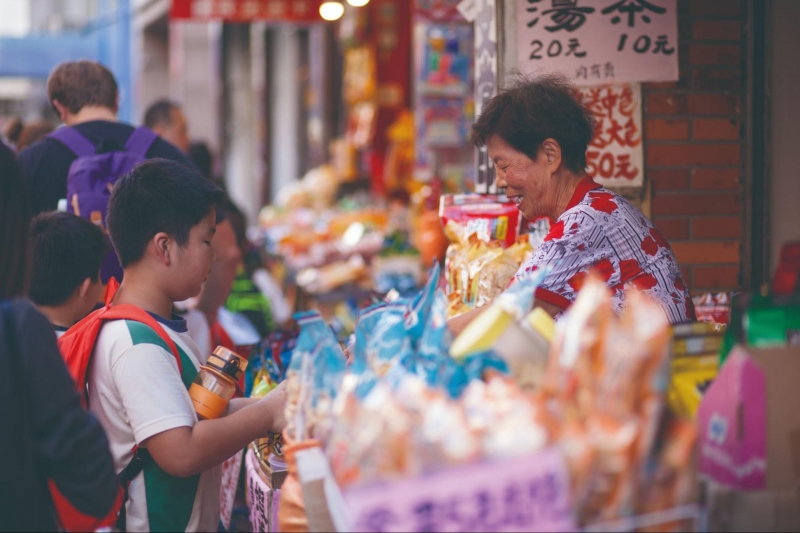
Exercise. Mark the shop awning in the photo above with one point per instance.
(247, 10)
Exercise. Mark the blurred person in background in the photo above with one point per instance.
(33, 132)
(203, 159)
(166, 118)
(57, 469)
(12, 131)
(245, 297)
(86, 98)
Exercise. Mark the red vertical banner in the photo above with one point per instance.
(390, 35)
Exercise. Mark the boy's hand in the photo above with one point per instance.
(273, 406)
(186, 451)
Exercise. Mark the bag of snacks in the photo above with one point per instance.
(484, 215)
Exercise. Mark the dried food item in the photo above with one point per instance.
(606, 382)
(577, 354)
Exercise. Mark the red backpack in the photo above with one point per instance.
(77, 346)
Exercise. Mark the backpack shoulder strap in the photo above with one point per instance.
(77, 143)
(140, 141)
(77, 345)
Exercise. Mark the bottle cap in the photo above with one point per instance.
(228, 362)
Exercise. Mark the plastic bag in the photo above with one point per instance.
(313, 378)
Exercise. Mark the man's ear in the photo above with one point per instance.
(116, 104)
(63, 114)
(83, 289)
(161, 244)
(552, 151)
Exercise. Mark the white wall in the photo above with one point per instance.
(785, 184)
(284, 127)
(195, 77)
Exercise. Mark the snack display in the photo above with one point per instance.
(477, 271)
(514, 383)
(484, 215)
(713, 308)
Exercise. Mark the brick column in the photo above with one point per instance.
(695, 144)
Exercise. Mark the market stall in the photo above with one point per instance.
(597, 422)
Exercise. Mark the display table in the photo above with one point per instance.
(262, 500)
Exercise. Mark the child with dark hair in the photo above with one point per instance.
(68, 252)
(162, 218)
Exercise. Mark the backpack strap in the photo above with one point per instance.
(77, 143)
(140, 141)
(128, 474)
(131, 312)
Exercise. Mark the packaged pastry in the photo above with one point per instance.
(487, 216)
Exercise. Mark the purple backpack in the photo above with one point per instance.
(92, 177)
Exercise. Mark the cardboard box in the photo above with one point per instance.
(749, 441)
(738, 510)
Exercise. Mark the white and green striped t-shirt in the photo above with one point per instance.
(136, 391)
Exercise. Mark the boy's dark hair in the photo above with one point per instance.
(76, 84)
(14, 224)
(530, 111)
(158, 195)
(159, 113)
(67, 249)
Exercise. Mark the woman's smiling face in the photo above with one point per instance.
(529, 183)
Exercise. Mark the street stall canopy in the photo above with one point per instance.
(247, 10)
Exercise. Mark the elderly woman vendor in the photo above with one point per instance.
(537, 133)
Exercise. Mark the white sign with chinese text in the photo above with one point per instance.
(596, 42)
(485, 84)
(615, 157)
(525, 494)
(227, 492)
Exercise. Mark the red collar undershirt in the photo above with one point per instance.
(586, 184)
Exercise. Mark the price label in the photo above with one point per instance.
(525, 494)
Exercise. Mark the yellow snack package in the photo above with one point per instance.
(694, 366)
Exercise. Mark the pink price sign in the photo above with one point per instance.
(525, 494)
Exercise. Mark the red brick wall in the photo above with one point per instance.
(695, 144)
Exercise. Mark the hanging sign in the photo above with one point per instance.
(615, 156)
(526, 494)
(262, 499)
(485, 83)
(230, 482)
(595, 42)
(438, 10)
(247, 10)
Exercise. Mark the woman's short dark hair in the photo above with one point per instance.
(14, 227)
(76, 84)
(67, 249)
(530, 111)
(158, 195)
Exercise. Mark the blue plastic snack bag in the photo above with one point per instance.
(433, 356)
(518, 298)
(420, 308)
(365, 327)
(389, 340)
(314, 378)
